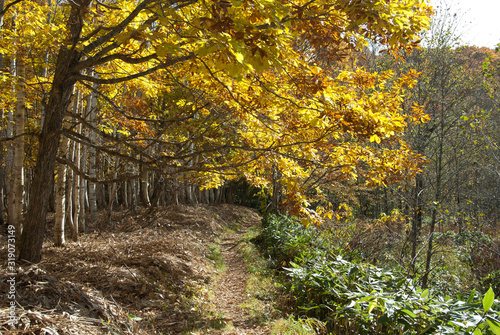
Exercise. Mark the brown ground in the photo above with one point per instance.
(230, 288)
(146, 274)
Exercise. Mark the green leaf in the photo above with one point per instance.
(488, 299)
(425, 293)
(410, 313)
(471, 296)
(371, 306)
(494, 325)
(478, 332)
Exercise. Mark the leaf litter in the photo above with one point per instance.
(135, 276)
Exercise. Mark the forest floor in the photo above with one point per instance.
(174, 270)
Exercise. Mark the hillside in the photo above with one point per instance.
(145, 274)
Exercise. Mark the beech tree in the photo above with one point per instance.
(255, 95)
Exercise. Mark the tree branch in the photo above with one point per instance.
(124, 58)
(81, 77)
(94, 180)
(2, 12)
(119, 28)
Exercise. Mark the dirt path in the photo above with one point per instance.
(230, 288)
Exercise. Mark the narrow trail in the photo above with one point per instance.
(230, 288)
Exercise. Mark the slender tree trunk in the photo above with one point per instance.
(76, 192)
(83, 190)
(112, 195)
(439, 172)
(125, 194)
(3, 134)
(2, 172)
(60, 218)
(92, 102)
(133, 197)
(9, 160)
(144, 187)
(18, 161)
(70, 189)
(417, 219)
(61, 198)
(277, 191)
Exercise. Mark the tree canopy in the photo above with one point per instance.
(216, 90)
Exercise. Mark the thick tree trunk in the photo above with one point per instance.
(43, 177)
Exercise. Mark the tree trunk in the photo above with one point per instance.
(10, 158)
(2, 156)
(2, 169)
(83, 191)
(17, 164)
(417, 219)
(112, 196)
(59, 236)
(439, 175)
(76, 193)
(158, 190)
(70, 189)
(43, 177)
(92, 102)
(125, 194)
(132, 197)
(144, 188)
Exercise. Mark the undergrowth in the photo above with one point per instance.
(356, 297)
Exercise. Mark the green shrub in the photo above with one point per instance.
(363, 299)
(359, 298)
(284, 239)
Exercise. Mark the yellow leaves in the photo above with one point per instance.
(239, 57)
(163, 49)
(253, 98)
(375, 138)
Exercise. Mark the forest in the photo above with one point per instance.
(344, 153)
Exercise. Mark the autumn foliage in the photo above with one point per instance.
(211, 91)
